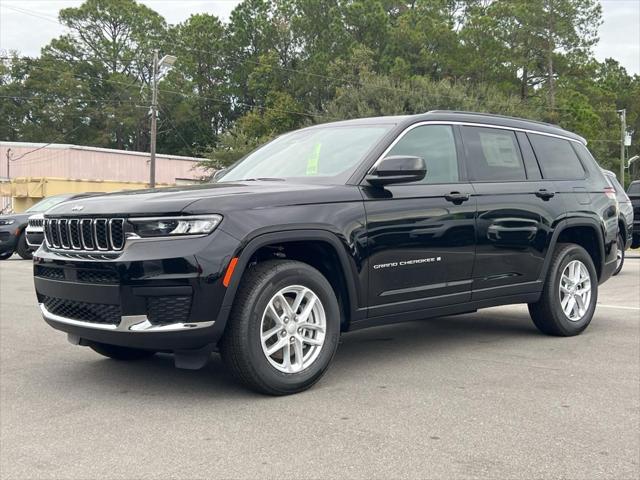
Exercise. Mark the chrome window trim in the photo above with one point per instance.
(464, 124)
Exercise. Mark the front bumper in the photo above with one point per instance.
(164, 295)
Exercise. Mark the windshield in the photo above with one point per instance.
(324, 154)
(46, 204)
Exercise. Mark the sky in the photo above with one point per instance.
(28, 25)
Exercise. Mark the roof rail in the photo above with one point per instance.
(462, 112)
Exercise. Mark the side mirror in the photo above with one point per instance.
(397, 169)
(218, 175)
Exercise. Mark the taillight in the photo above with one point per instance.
(610, 193)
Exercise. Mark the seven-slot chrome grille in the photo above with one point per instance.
(89, 234)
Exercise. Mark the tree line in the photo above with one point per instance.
(278, 65)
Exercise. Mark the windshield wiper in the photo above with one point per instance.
(261, 179)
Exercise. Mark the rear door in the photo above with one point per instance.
(516, 211)
(421, 236)
(580, 183)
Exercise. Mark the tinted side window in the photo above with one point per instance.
(557, 158)
(634, 188)
(492, 154)
(436, 144)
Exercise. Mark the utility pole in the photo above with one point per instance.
(623, 134)
(154, 120)
(8, 164)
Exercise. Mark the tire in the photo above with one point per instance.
(245, 352)
(5, 255)
(620, 258)
(23, 248)
(547, 313)
(120, 353)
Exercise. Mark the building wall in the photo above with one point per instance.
(25, 192)
(71, 161)
(39, 170)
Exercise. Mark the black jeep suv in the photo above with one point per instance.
(333, 228)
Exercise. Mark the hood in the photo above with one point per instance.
(209, 198)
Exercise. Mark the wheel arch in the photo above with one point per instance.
(347, 289)
(584, 232)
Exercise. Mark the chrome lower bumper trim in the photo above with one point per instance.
(128, 323)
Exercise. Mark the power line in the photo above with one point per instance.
(60, 137)
(339, 80)
(173, 125)
(78, 99)
(236, 102)
(186, 95)
(342, 81)
(41, 16)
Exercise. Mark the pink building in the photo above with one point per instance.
(91, 163)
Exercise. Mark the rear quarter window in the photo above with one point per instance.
(557, 158)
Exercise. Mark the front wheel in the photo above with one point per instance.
(570, 293)
(23, 248)
(120, 353)
(284, 328)
(619, 255)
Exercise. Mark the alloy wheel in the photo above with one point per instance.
(292, 330)
(575, 290)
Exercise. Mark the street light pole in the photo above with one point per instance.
(154, 119)
(623, 133)
(8, 164)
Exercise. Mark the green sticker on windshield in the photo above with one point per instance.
(314, 160)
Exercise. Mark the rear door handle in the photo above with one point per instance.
(456, 197)
(545, 194)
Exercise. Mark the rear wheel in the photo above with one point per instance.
(570, 293)
(284, 328)
(120, 353)
(619, 255)
(23, 247)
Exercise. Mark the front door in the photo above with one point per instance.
(421, 236)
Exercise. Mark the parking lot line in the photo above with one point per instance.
(618, 306)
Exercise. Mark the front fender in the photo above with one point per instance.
(250, 246)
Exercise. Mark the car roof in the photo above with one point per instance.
(464, 117)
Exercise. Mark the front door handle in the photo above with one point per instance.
(456, 197)
(545, 194)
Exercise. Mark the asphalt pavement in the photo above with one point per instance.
(481, 395)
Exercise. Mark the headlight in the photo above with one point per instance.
(7, 221)
(175, 226)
